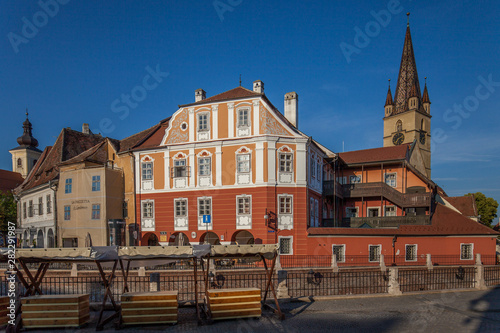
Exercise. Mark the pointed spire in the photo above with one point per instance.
(27, 138)
(408, 84)
(425, 97)
(388, 100)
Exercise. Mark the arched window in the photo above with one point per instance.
(19, 163)
(399, 126)
(422, 125)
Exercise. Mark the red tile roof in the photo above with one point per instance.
(9, 180)
(394, 153)
(466, 204)
(445, 222)
(238, 92)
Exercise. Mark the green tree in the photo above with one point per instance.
(486, 207)
(8, 211)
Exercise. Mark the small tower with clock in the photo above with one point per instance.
(407, 117)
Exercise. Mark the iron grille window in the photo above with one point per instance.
(180, 208)
(203, 122)
(466, 252)
(411, 252)
(147, 209)
(339, 252)
(243, 118)
(147, 171)
(374, 253)
(285, 245)
(243, 162)
(204, 166)
(40, 206)
(68, 187)
(96, 212)
(244, 206)
(204, 206)
(286, 161)
(96, 183)
(286, 205)
(67, 213)
(49, 204)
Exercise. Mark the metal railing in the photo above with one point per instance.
(333, 187)
(492, 275)
(437, 279)
(385, 221)
(305, 261)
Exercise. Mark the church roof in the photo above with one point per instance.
(408, 84)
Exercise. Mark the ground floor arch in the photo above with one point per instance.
(50, 238)
(178, 239)
(210, 238)
(39, 239)
(242, 237)
(150, 239)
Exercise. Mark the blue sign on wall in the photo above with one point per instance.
(206, 218)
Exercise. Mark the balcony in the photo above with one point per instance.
(378, 189)
(376, 222)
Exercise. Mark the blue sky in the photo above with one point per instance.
(86, 54)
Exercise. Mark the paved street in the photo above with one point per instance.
(466, 311)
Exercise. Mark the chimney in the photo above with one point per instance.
(258, 86)
(199, 95)
(292, 108)
(85, 129)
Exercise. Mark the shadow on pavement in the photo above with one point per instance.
(488, 308)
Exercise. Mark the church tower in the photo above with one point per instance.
(407, 117)
(25, 156)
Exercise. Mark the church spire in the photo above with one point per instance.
(388, 100)
(27, 139)
(425, 97)
(408, 84)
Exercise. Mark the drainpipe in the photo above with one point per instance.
(136, 239)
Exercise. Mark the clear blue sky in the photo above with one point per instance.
(85, 56)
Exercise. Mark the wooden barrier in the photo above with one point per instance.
(234, 303)
(47, 311)
(4, 303)
(149, 308)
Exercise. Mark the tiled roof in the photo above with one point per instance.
(94, 154)
(388, 99)
(238, 92)
(136, 139)
(69, 143)
(393, 153)
(9, 180)
(445, 222)
(466, 204)
(425, 97)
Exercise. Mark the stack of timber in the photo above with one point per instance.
(50, 311)
(150, 308)
(4, 303)
(234, 303)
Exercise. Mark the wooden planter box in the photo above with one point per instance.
(234, 303)
(159, 307)
(47, 311)
(4, 303)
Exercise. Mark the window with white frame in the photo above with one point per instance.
(179, 169)
(286, 162)
(286, 245)
(466, 251)
(339, 252)
(244, 205)
(390, 211)
(148, 209)
(96, 183)
(390, 179)
(411, 252)
(96, 212)
(243, 118)
(285, 204)
(204, 164)
(351, 212)
(204, 206)
(147, 170)
(243, 163)
(354, 179)
(40, 205)
(180, 207)
(68, 185)
(48, 200)
(374, 251)
(203, 122)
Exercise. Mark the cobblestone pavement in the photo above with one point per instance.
(461, 311)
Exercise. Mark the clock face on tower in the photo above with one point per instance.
(422, 138)
(398, 139)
